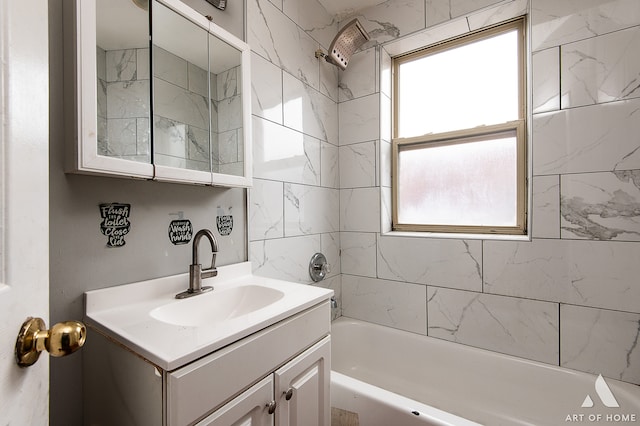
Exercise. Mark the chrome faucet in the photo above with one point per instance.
(196, 273)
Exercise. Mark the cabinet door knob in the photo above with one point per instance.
(271, 407)
(288, 394)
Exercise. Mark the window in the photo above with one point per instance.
(459, 142)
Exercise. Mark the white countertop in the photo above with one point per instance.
(122, 313)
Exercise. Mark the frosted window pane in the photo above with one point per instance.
(460, 88)
(471, 183)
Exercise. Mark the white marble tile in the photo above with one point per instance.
(440, 262)
(310, 210)
(197, 80)
(590, 139)
(284, 258)
(330, 247)
(229, 113)
(587, 273)
(329, 77)
(274, 36)
(143, 64)
(176, 103)
(266, 211)
(121, 137)
(546, 80)
(309, 111)
(390, 303)
(359, 79)
(501, 12)
(385, 164)
(266, 89)
(392, 19)
(128, 99)
(170, 137)
(143, 138)
(335, 284)
(559, 22)
(524, 328)
(385, 210)
(121, 65)
(284, 154)
(228, 84)
(600, 342)
(438, 11)
(358, 165)
(169, 67)
(360, 210)
(228, 147)
(359, 253)
(601, 69)
(198, 148)
(313, 18)
(101, 101)
(385, 73)
(546, 207)
(601, 206)
(359, 120)
(330, 166)
(385, 118)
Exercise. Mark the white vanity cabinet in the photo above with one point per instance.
(295, 394)
(154, 90)
(277, 376)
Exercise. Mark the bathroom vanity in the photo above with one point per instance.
(252, 351)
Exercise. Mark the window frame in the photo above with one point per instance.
(518, 126)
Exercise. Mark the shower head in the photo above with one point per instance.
(218, 4)
(349, 39)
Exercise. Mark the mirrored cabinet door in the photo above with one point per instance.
(181, 95)
(158, 92)
(230, 111)
(108, 66)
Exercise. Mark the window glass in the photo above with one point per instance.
(459, 146)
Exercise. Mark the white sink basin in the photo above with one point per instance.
(216, 306)
(169, 332)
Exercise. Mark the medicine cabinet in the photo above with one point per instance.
(159, 92)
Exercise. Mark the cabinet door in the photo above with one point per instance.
(302, 388)
(251, 408)
(107, 88)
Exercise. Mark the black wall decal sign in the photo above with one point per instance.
(115, 223)
(180, 231)
(225, 224)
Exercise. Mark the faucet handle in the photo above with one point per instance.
(318, 267)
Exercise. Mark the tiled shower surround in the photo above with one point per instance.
(182, 114)
(569, 297)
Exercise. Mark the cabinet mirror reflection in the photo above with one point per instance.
(196, 116)
(123, 96)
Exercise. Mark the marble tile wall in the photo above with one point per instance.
(294, 203)
(123, 103)
(569, 297)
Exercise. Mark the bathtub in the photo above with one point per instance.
(386, 377)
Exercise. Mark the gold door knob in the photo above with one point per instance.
(62, 339)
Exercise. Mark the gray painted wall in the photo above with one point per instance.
(79, 258)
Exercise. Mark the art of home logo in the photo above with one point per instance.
(606, 397)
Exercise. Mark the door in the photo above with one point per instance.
(302, 388)
(24, 203)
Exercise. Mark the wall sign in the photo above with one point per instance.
(225, 224)
(180, 231)
(115, 223)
